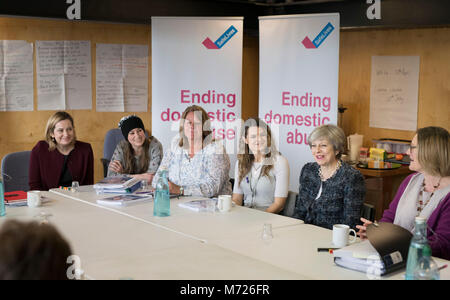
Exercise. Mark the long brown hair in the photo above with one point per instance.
(129, 165)
(206, 125)
(246, 159)
(50, 128)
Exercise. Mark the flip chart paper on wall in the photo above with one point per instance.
(16, 75)
(121, 77)
(394, 91)
(64, 71)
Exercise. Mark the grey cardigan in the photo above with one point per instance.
(341, 199)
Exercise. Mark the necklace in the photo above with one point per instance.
(256, 167)
(338, 165)
(423, 198)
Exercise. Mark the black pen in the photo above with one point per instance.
(326, 249)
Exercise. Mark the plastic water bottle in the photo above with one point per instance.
(161, 207)
(419, 245)
(426, 268)
(2, 200)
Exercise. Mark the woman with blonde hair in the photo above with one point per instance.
(261, 172)
(197, 165)
(60, 159)
(425, 193)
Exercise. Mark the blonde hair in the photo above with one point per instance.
(433, 146)
(333, 134)
(50, 128)
(206, 125)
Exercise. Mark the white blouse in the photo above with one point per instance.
(260, 191)
(206, 174)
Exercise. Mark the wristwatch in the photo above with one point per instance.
(181, 191)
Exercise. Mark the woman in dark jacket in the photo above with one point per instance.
(331, 192)
(60, 159)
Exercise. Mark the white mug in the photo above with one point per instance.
(34, 198)
(341, 235)
(224, 203)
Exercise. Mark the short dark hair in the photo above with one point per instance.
(32, 251)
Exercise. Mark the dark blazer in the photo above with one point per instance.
(46, 166)
(341, 199)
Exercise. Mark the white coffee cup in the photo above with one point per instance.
(224, 203)
(34, 198)
(341, 235)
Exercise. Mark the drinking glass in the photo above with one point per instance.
(267, 232)
(75, 186)
(211, 206)
(144, 185)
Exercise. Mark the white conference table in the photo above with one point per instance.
(201, 225)
(293, 248)
(115, 246)
(191, 245)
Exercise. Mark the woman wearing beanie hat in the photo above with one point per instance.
(137, 155)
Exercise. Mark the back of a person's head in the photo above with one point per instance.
(32, 251)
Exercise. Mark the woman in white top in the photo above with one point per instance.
(261, 172)
(197, 165)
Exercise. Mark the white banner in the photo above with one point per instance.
(197, 61)
(298, 87)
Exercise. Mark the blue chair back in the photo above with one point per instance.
(112, 138)
(289, 206)
(15, 171)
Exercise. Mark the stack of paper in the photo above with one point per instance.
(118, 184)
(362, 257)
(123, 200)
(196, 205)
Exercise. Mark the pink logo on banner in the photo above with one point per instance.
(222, 40)
(308, 44)
(314, 44)
(209, 44)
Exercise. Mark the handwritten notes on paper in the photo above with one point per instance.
(63, 75)
(16, 75)
(122, 77)
(394, 92)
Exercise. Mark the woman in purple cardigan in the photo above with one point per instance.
(425, 193)
(60, 159)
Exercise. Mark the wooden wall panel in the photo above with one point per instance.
(356, 49)
(21, 130)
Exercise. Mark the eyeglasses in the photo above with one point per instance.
(411, 147)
